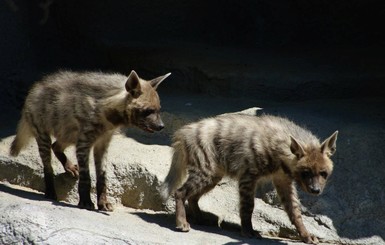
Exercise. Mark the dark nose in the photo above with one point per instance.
(315, 190)
(160, 126)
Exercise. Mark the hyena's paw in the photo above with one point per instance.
(250, 233)
(72, 169)
(89, 205)
(310, 239)
(184, 227)
(105, 207)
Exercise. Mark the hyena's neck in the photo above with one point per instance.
(114, 109)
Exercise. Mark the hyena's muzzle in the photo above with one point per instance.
(154, 122)
(150, 121)
(313, 183)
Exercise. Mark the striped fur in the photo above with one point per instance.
(247, 148)
(85, 109)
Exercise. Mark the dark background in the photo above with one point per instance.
(276, 50)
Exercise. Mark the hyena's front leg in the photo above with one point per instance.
(83, 149)
(247, 187)
(69, 167)
(100, 149)
(289, 198)
(44, 145)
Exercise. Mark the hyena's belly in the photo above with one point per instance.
(66, 134)
(235, 168)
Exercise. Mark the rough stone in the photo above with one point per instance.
(28, 218)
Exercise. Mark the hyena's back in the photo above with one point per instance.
(228, 145)
(61, 103)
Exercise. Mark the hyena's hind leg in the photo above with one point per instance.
(193, 206)
(196, 185)
(58, 150)
(100, 149)
(83, 148)
(44, 145)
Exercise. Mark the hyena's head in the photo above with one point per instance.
(313, 164)
(143, 109)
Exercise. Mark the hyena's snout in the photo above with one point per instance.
(314, 186)
(315, 189)
(159, 125)
(154, 123)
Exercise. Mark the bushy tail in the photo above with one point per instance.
(177, 173)
(23, 134)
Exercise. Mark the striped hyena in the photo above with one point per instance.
(85, 109)
(247, 148)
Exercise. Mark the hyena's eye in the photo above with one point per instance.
(306, 174)
(324, 174)
(147, 112)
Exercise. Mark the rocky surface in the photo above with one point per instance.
(350, 210)
(28, 218)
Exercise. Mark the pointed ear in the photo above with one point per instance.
(296, 148)
(156, 81)
(133, 84)
(329, 146)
